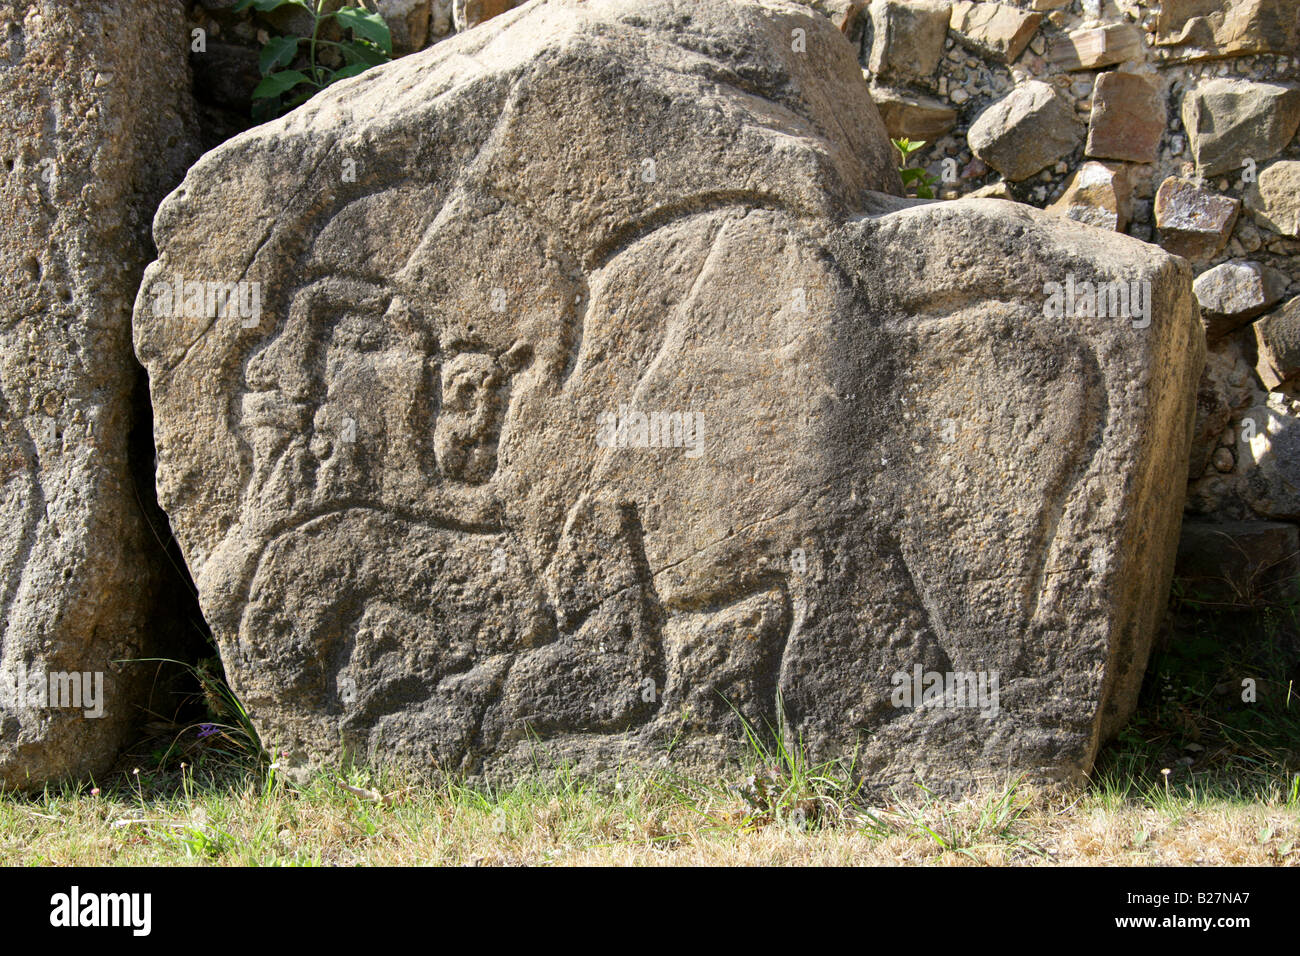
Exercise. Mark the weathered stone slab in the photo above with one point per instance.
(94, 129)
(577, 432)
(1232, 121)
(1274, 197)
(1233, 293)
(1277, 339)
(907, 43)
(1099, 194)
(1270, 452)
(1127, 118)
(1025, 131)
(998, 30)
(1193, 221)
(912, 115)
(1095, 47)
(1192, 30)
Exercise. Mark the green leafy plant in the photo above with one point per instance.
(915, 176)
(199, 842)
(283, 88)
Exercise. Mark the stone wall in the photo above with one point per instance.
(1175, 123)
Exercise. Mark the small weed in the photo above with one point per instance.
(283, 88)
(787, 788)
(918, 177)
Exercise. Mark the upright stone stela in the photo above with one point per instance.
(83, 165)
(412, 541)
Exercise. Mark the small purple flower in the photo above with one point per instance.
(207, 730)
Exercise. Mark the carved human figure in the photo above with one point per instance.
(376, 402)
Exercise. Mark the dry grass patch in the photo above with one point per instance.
(557, 819)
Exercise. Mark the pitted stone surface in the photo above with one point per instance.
(95, 128)
(616, 398)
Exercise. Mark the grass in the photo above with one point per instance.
(1199, 776)
(557, 818)
(1219, 711)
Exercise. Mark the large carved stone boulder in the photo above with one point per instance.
(94, 130)
(591, 389)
